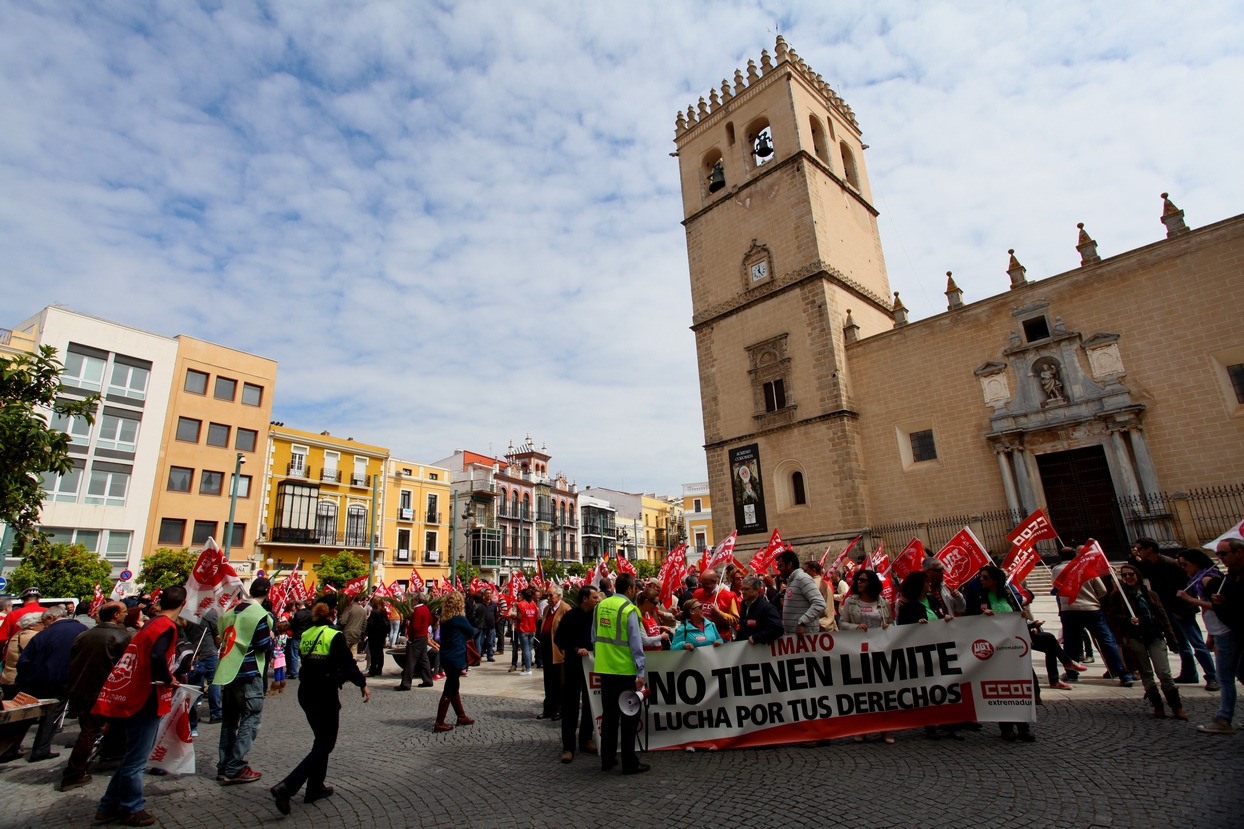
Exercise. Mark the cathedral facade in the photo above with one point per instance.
(1103, 395)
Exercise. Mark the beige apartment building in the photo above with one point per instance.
(219, 409)
(1111, 395)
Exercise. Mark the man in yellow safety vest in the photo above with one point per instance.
(618, 637)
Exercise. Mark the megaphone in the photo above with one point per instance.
(630, 702)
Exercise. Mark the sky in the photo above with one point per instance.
(457, 224)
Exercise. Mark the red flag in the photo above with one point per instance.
(1032, 529)
(910, 560)
(601, 572)
(765, 555)
(328, 588)
(673, 571)
(353, 586)
(720, 554)
(843, 555)
(155, 597)
(963, 557)
(1089, 563)
(880, 561)
(457, 582)
(98, 601)
(277, 597)
(1019, 563)
(415, 584)
(625, 566)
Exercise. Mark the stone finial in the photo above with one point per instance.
(954, 296)
(713, 101)
(1087, 247)
(850, 331)
(1172, 217)
(680, 124)
(701, 108)
(739, 84)
(900, 312)
(1016, 271)
(752, 74)
(766, 62)
(726, 94)
(779, 50)
(690, 115)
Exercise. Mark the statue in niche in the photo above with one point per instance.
(1050, 384)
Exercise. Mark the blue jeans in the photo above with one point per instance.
(1192, 636)
(486, 643)
(205, 671)
(1075, 622)
(292, 656)
(1228, 651)
(125, 789)
(243, 707)
(526, 640)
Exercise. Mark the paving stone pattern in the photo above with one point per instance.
(1097, 763)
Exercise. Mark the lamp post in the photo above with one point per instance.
(233, 503)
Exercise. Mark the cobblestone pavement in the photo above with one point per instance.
(1100, 761)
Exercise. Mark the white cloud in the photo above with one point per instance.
(453, 224)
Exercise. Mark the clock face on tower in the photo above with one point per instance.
(760, 270)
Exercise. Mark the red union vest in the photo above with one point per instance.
(128, 686)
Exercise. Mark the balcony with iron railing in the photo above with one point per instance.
(297, 468)
(482, 486)
(329, 475)
(434, 518)
(357, 479)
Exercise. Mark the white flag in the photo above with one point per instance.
(174, 747)
(213, 583)
(1236, 532)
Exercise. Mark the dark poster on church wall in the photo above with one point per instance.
(748, 490)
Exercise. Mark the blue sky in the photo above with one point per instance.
(457, 223)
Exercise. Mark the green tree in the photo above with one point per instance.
(466, 572)
(60, 570)
(166, 568)
(29, 447)
(576, 568)
(646, 569)
(337, 569)
(552, 569)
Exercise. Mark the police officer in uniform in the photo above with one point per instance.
(327, 663)
(618, 636)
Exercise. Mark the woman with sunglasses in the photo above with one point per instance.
(1145, 630)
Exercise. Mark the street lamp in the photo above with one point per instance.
(233, 503)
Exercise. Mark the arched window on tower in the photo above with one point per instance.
(849, 170)
(760, 137)
(819, 147)
(798, 496)
(713, 171)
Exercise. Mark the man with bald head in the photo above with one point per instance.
(91, 660)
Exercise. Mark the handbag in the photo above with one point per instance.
(472, 654)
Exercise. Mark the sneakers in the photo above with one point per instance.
(1218, 726)
(1212, 686)
(1077, 667)
(246, 775)
(513, 668)
(1069, 678)
(524, 673)
(1061, 686)
(1126, 681)
(140, 818)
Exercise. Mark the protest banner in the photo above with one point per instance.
(824, 685)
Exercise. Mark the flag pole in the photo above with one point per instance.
(1131, 613)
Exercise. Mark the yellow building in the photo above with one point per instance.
(318, 498)
(219, 406)
(697, 505)
(658, 529)
(416, 521)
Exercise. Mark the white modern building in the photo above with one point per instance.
(104, 502)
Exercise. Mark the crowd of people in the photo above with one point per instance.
(1157, 607)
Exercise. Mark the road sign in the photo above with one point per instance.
(3, 583)
(259, 574)
(126, 575)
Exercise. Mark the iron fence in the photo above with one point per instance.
(942, 530)
(1149, 515)
(895, 535)
(1215, 509)
(995, 525)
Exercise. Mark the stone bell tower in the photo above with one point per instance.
(786, 266)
